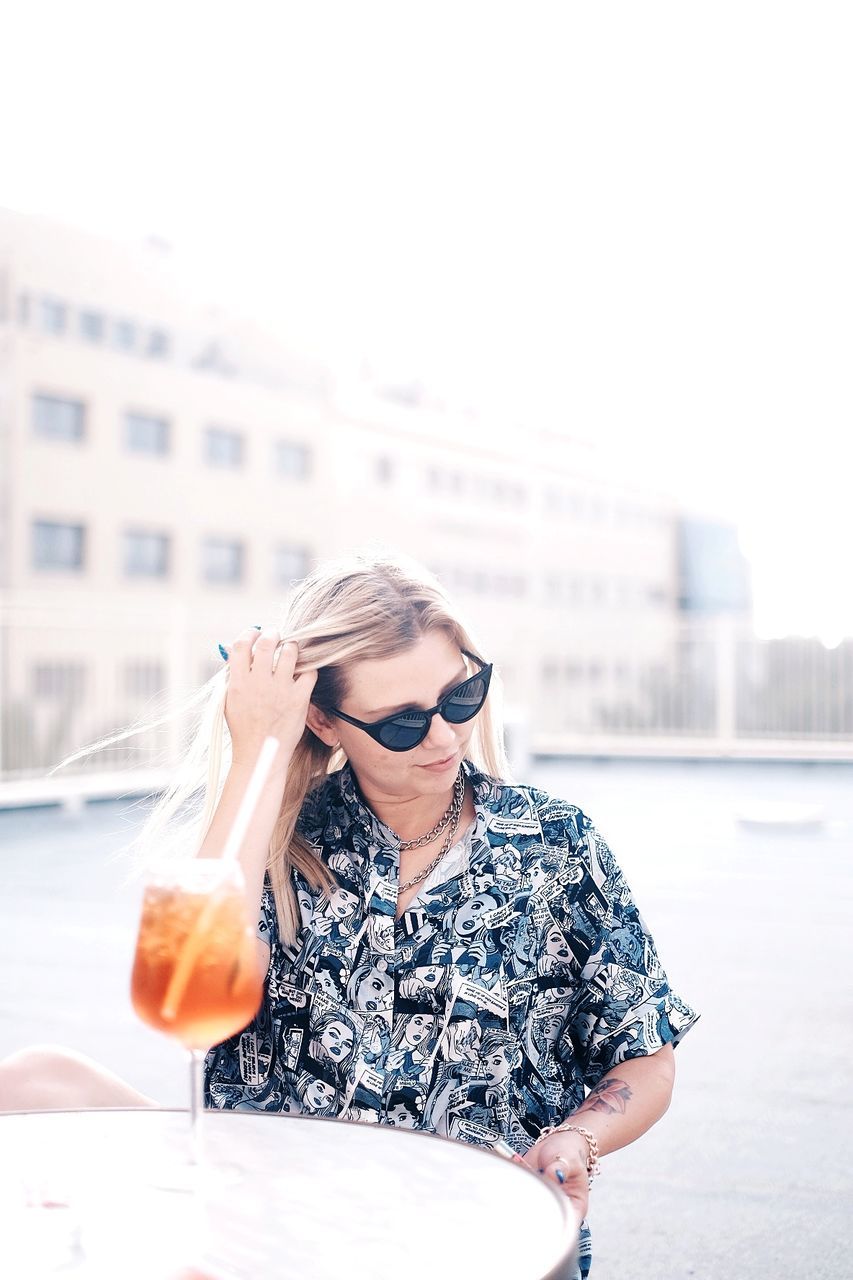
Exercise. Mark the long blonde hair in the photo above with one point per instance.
(364, 607)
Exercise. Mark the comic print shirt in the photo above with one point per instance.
(511, 984)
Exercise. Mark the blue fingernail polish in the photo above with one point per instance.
(223, 653)
(560, 1176)
(255, 627)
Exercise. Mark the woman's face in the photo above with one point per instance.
(497, 1066)
(400, 1116)
(319, 1094)
(373, 990)
(326, 983)
(538, 875)
(416, 677)
(556, 947)
(306, 905)
(418, 1028)
(468, 916)
(463, 1037)
(342, 903)
(337, 1040)
(429, 976)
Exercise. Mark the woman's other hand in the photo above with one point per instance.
(562, 1157)
(265, 698)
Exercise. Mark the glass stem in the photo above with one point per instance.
(196, 1105)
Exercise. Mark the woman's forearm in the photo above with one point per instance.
(628, 1100)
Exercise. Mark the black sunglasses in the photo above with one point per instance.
(407, 729)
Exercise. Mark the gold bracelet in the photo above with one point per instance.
(593, 1165)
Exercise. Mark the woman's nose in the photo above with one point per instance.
(441, 735)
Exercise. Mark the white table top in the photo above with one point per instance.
(288, 1196)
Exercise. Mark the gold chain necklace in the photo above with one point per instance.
(455, 807)
(455, 811)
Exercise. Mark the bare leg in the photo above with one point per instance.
(49, 1078)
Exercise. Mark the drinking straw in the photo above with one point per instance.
(251, 795)
(195, 939)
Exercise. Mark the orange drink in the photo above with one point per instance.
(196, 975)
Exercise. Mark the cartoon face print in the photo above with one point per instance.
(469, 915)
(374, 990)
(627, 946)
(399, 1116)
(422, 981)
(337, 1040)
(556, 947)
(541, 872)
(524, 944)
(319, 1095)
(418, 1029)
(463, 1038)
(306, 905)
(497, 1065)
(550, 1026)
(342, 903)
(326, 983)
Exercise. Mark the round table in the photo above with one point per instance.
(82, 1195)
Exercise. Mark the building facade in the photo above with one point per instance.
(168, 471)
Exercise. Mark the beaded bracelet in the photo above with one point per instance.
(593, 1165)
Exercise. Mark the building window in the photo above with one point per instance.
(291, 564)
(59, 680)
(53, 315)
(58, 546)
(223, 448)
(58, 419)
(292, 459)
(157, 346)
(222, 560)
(92, 326)
(146, 555)
(146, 434)
(124, 335)
(143, 679)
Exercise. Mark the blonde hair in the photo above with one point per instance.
(364, 607)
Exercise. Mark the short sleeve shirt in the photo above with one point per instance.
(510, 986)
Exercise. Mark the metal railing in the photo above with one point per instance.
(707, 690)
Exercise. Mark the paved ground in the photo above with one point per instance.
(749, 1174)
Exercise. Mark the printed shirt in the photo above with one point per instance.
(508, 988)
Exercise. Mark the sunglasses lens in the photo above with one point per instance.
(403, 732)
(466, 701)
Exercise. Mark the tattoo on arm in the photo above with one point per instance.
(610, 1096)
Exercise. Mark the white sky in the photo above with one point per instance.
(632, 219)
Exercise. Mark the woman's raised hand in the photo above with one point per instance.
(265, 698)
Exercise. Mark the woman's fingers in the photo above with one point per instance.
(240, 655)
(572, 1182)
(265, 698)
(266, 644)
(566, 1168)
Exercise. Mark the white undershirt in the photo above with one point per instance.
(451, 865)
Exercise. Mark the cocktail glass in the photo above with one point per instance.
(196, 975)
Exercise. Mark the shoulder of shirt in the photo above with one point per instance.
(319, 800)
(559, 820)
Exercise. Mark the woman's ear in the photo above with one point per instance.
(322, 726)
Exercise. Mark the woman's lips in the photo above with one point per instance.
(438, 765)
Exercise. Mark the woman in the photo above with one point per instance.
(388, 845)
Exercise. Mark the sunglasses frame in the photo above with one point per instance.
(374, 729)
